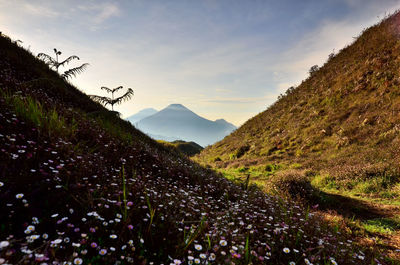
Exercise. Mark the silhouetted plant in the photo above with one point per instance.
(55, 63)
(112, 101)
(313, 69)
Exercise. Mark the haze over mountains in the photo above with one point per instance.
(178, 122)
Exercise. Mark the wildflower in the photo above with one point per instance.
(113, 236)
(203, 256)
(93, 245)
(19, 196)
(236, 255)
(4, 244)
(130, 227)
(198, 247)
(78, 261)
(286, 250)
(176, 261)
(197, 261)
(129, 203)
(29, 229)
(223, 243)
(55, 242)
(92, 229)
(103, 252)
(212, 257)
(1, 184)
(34, 237)
(292, 263)
(45, 236)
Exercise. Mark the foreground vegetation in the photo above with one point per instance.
(80, 185)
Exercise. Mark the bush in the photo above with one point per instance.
(293, 184)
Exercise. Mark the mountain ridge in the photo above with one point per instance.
(179, 122)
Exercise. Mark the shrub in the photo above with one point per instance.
(293, 184)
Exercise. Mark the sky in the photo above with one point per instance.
(220, 58)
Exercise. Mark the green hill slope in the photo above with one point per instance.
(342, 123)
(78, 185)
(187, 148)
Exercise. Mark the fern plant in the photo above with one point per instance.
(55, 64)
(112, 101)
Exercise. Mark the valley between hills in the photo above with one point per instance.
(314, 179)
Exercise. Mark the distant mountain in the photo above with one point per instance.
(227, 124)
(141, 115)
(177, 121)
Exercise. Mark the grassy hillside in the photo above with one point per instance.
(78, 185)
(341, 125)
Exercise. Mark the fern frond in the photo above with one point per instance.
(106, 89)
(74, 71)
(66, 61)
(128, 95)
(47, 59)
(102, 100)
(116, 89)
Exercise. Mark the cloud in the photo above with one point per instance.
(238, 100)
(101, 11)
(38, 10)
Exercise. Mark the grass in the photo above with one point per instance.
(378, 189)
(382, 226)
(30, 109)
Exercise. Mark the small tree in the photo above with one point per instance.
(56, 64)
(112, 101)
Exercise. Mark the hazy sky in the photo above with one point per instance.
(222, 59)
